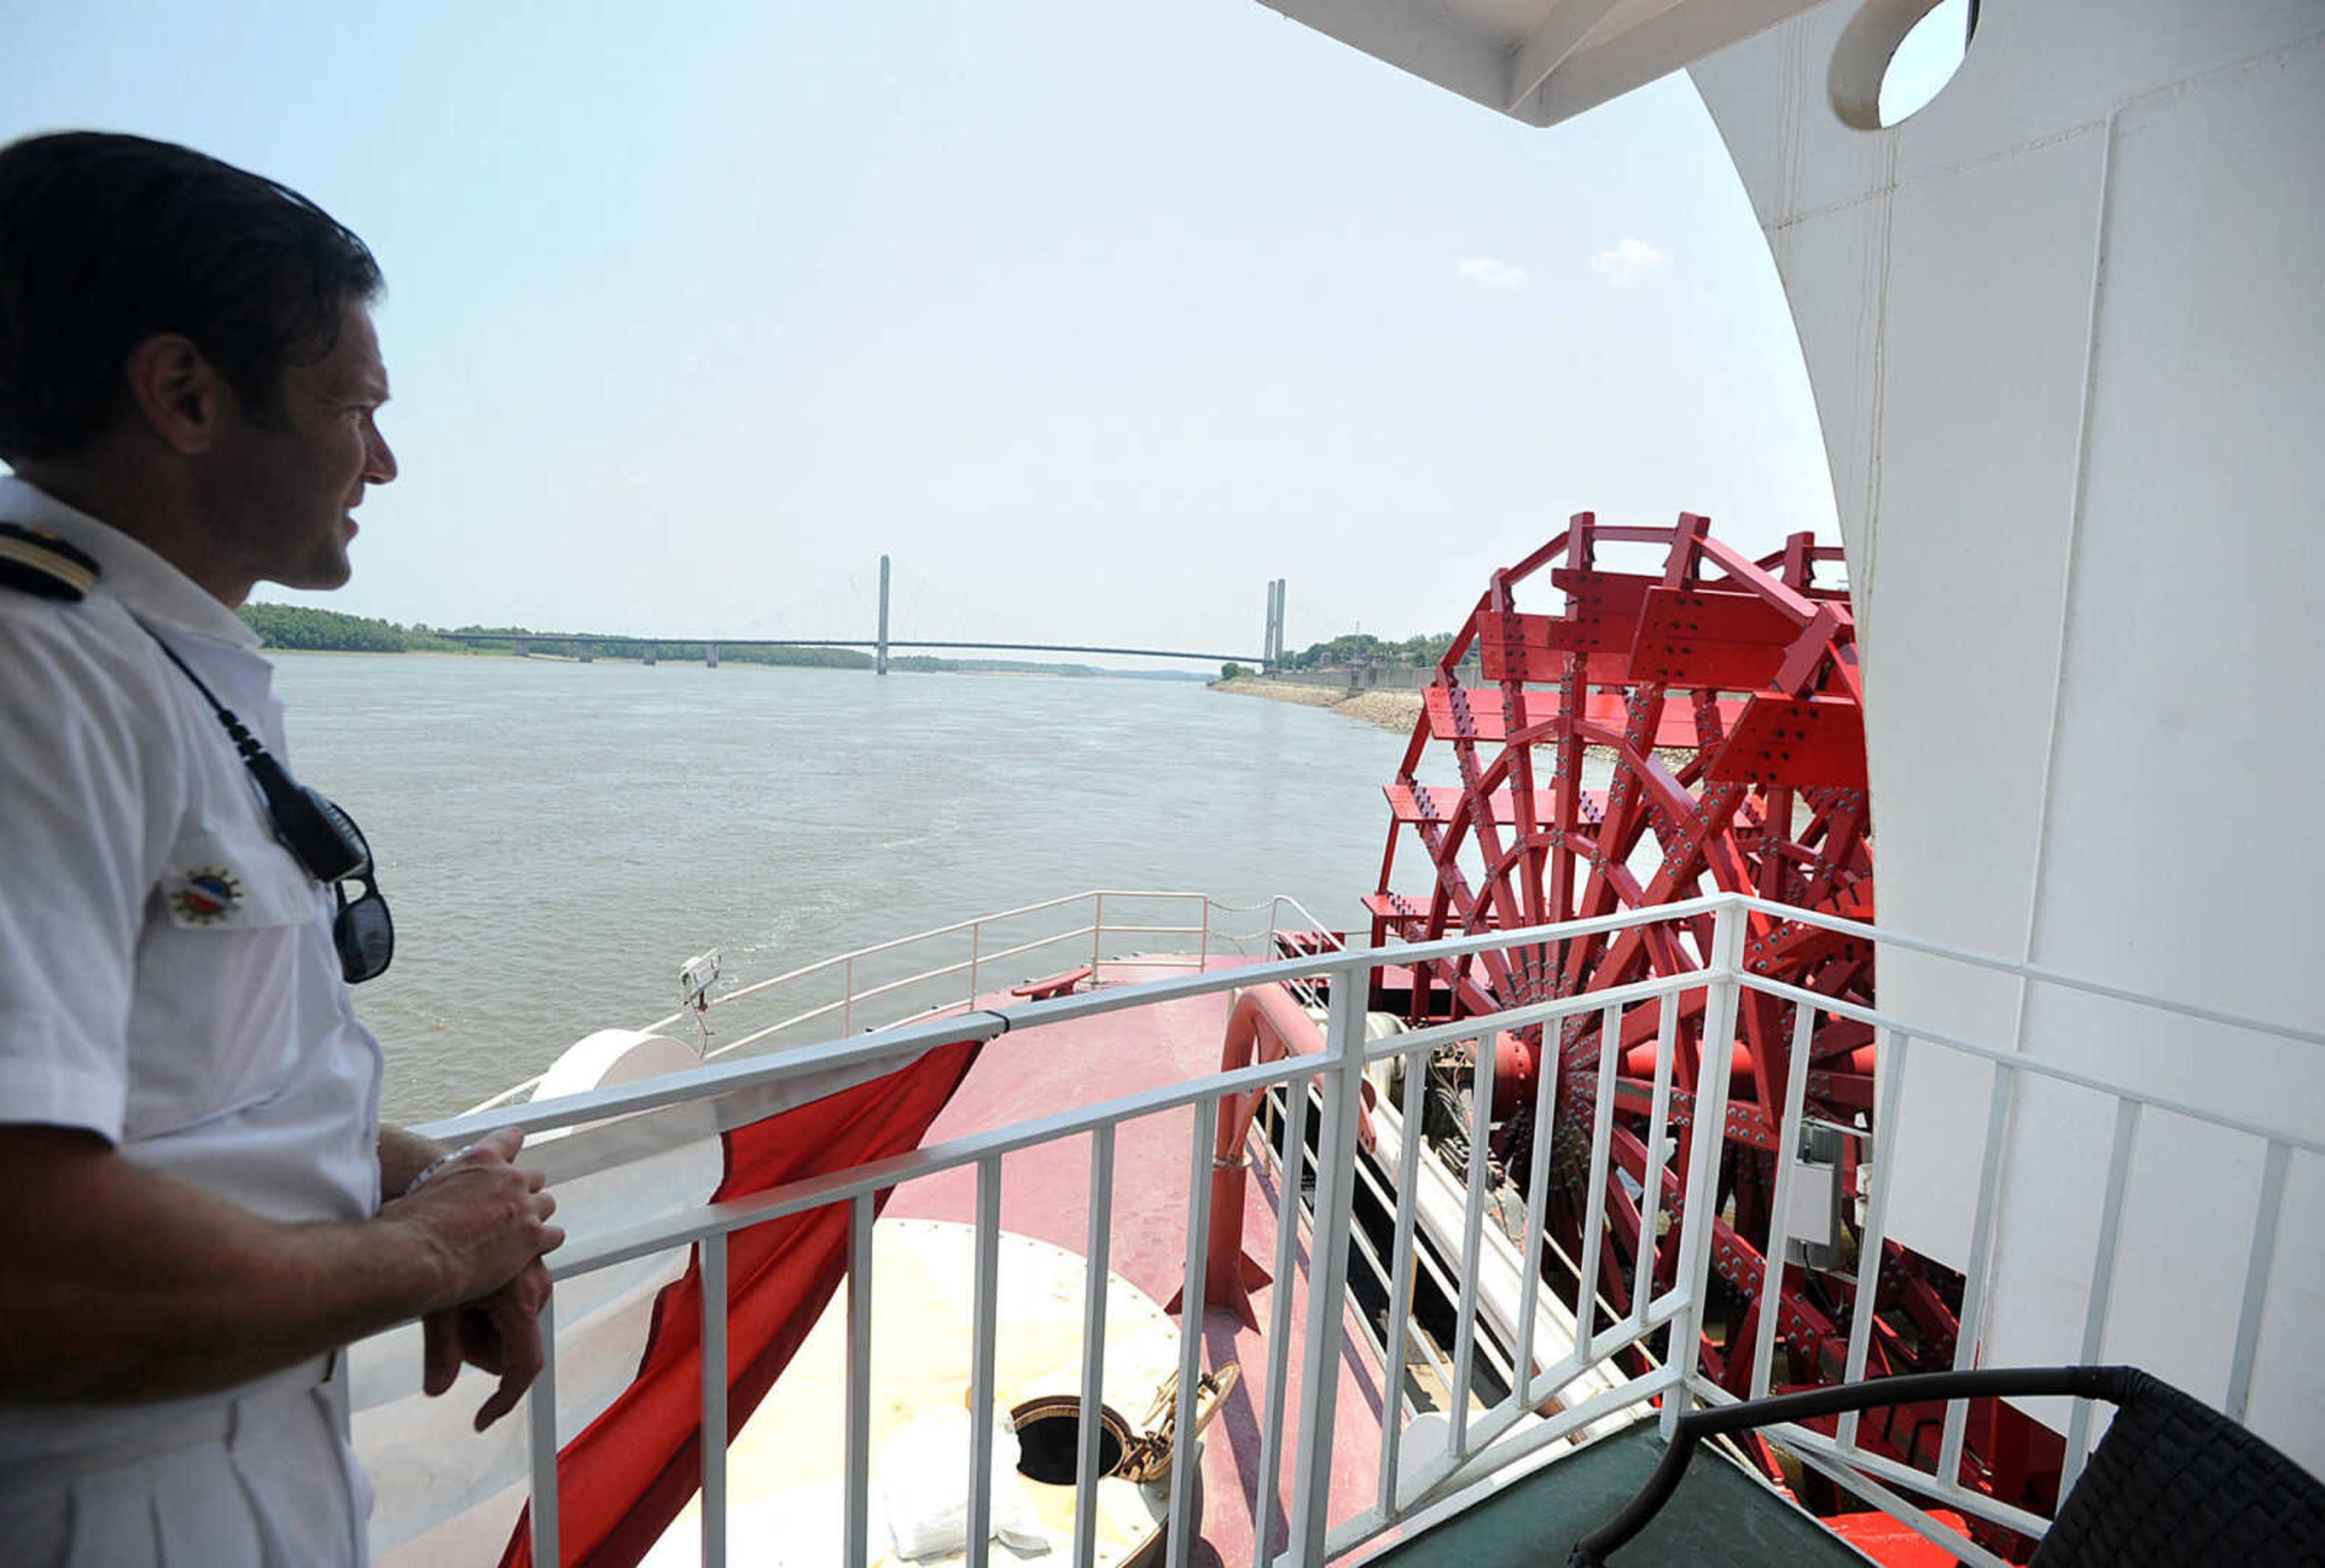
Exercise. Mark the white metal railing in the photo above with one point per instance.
(1408, 1491)
(945, 968)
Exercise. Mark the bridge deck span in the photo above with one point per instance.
(604, 639)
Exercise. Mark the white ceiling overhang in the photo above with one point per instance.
(1540, 60)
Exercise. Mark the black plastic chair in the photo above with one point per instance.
(2175, 1482)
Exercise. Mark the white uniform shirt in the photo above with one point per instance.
(167, 975)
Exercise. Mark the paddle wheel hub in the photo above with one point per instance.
(1642, 737)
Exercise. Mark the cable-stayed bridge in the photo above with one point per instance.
(881, 645)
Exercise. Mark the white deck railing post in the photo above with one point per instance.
(1778, 1240)
(1658, 1157)
(1978, 1274)
(714, 1401)
(1545, 1116)
(541, 1411)
(1873, 1226)
(1186, 1479)
(1473, 1215)
(1291, 1160)
(1342, 1081)
(983, 1333)
(1096, 1248)
(1402, 1255)
(856, 1465)
(2102, 1285)
(1707, 1141)
(2266, 1215)
(1602, 1148)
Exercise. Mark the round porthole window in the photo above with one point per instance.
(1896, 55)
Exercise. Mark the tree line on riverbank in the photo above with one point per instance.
(1363, 648)
(305, 628)
(1359, 648)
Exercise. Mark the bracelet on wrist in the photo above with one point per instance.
(431, 1168)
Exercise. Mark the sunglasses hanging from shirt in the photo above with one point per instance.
(323, 839)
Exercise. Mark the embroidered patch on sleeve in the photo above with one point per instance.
(204, 896)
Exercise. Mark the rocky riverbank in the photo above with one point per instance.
(1388, 710)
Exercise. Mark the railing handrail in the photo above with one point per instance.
(884, 1045)
(2021, 1062)
(1976, 959)
(1096, 929)
(878, 1176)
(933, 931)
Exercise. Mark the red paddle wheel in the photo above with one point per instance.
(1662, 735)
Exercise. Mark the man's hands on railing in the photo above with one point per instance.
(485, 1222)
(499, 1333)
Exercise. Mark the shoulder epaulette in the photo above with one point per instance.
(36, 562)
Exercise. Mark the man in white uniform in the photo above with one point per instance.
(191, 1166)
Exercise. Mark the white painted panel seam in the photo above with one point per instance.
(1877, 386)
(2044, 797)
(1891, 183)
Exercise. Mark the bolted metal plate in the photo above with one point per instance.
(1708, 637)
(1456, 713)
(1794, 740)
(1438, 803)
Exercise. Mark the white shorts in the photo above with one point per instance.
(266, 1480)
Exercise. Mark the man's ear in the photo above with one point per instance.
(177, 394)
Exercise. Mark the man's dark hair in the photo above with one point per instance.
(106, 240)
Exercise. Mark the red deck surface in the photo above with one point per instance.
(1045, 1194)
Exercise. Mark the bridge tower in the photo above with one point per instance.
(880, 660)
(1271, 641)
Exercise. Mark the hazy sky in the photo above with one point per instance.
(1094, 316)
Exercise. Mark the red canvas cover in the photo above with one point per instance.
(625, 1479)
